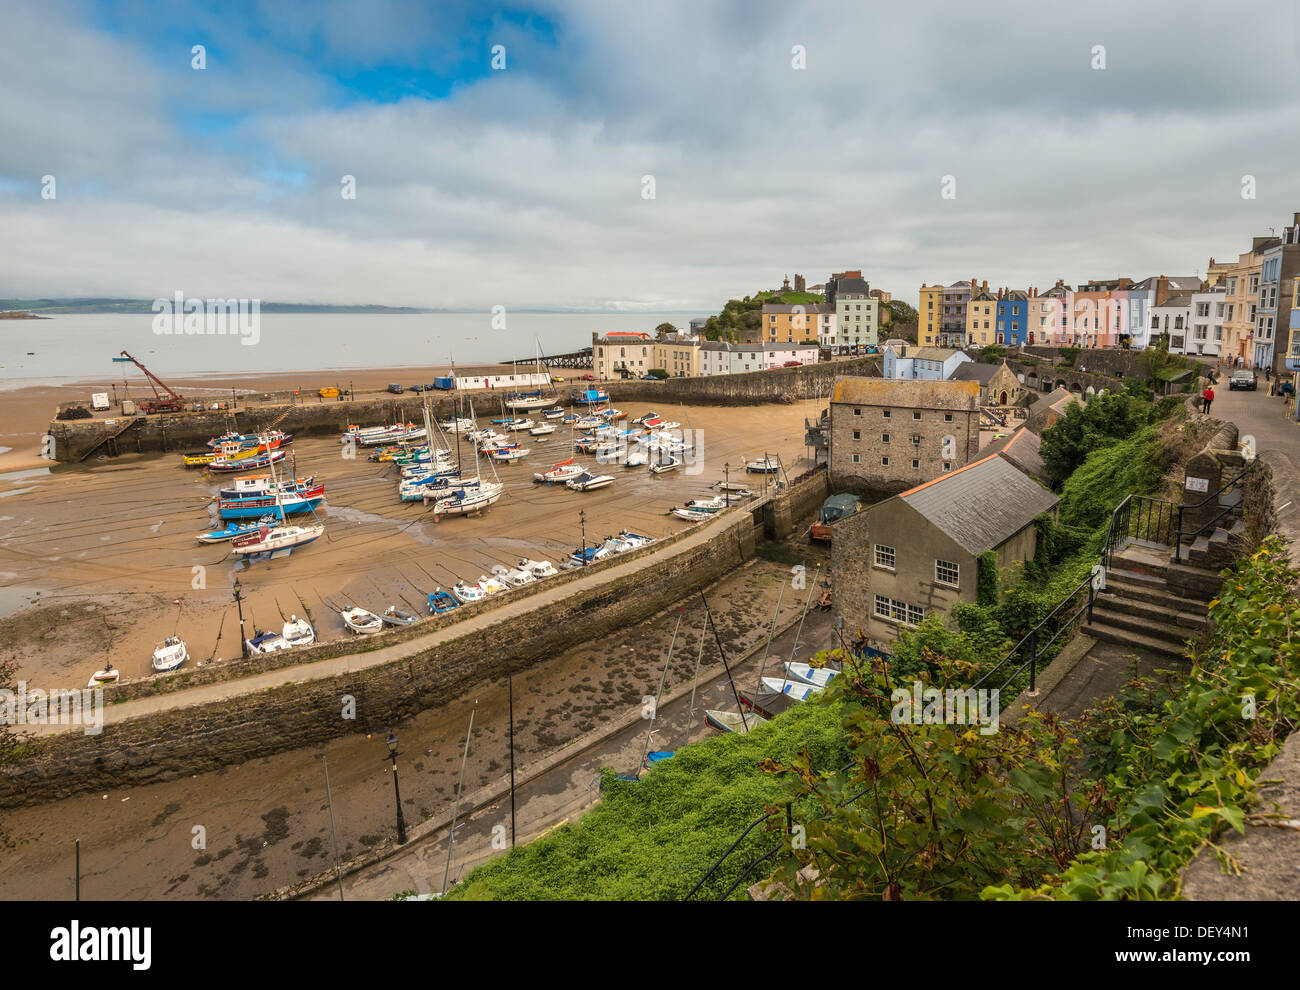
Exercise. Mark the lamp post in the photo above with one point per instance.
(726, 485)
(239, 604)
(582, 518)
(397, 794)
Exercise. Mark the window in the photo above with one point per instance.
(884, 556)
(886, 414)
(916, 415)
(884, 438)
(916, 464)
(894, 611)
(946, 572)
(947, 417)
(947, 466)
(884, 462)
(857, 459)
(858, 412)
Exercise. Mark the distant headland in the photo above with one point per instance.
(27, 309)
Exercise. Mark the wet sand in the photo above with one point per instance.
(266, 823)
(101, 563)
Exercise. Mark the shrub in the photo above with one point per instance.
(74, 412)
(659, 373)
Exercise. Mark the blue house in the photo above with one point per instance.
(1012, 317)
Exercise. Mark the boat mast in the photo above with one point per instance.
(725, 666)
(795, 646)
(663, 677)
(451, 836)
(770, 633)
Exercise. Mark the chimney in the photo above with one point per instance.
(984, 287)
(1162, 290)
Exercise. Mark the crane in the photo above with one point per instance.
(167, 400)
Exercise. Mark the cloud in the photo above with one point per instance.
(524, 187)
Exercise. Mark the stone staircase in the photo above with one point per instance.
(1155, 605)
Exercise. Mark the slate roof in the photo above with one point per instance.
(981, 505)
(906, 393)
(1049, 400)
(1021, 449)
(1175, 301)
(974, 371)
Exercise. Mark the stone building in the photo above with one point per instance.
(895, 562)
(998, 384)
(888, 435)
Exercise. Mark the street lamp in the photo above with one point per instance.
(582, 518)
(239, 604)
(392, 754)
(726, 471)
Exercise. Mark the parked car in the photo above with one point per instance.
(557, 379)
(395, 388)
(793, 364)
(588, 378)
(428, 388)
(329, 392)
(417, 388)
(1243, 378)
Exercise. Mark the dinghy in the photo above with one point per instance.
(732, 721)
(108, 675)
(441, 602)
(587, 482)
(298, 632)
(267, 642)
(816, 676)
(799, 690)
(395, 616)
(268, 539)
(170, 655)
(360, 621)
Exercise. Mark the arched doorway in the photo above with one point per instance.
(1002, 398)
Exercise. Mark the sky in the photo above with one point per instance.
(528, 185)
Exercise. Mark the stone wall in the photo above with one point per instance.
(200, 738)
(1113, 362)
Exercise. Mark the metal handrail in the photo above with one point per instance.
(1178, 541)
(1031, 637)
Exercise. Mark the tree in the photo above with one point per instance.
(900, 312)
(663, 329)
(1085, 427)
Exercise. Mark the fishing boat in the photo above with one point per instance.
(799, 690)
(231, 531)
(269, 440)
(733, 721)
(268, 539)
(635, 540)
(109, 675)
(360, 621)
(816, 676)
(395, 616)
(562, 472)
(662, 464)
(589, 555)
(510, 454)
(616, 545)
(468, 594)
(229, 452)
(467, 501)
(252, 507)
(441, 602)
(538, 568)
(588, 482)
(266, 642)
(764, 465)
(492, 585)
(542, 429)
(714, 504)
(298, 632)
(263, 484)
(264, 459)
(376, 435)
(170, 655)
(691, 515)
(517, 577)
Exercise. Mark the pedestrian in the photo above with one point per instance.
(1268, 372)
(1206, 398)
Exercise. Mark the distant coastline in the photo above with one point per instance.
(31, 307)
(20, 314)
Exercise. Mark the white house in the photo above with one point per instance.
(779, 355)
(747, 357)
(1171, 320)
(826, 323)
(933, 364)
(1206, 336)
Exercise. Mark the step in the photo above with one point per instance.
(1187, 580)
(1165, 631)
(1143, 560)
(1115, 600)
(1123, 637)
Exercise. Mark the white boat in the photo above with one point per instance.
(492, 585)
(635, 540)
(764, 465)
(518, 577)
(733, 721)
(799, 690)
(553, 414)
(467, 501)
(538, 568)
(542, 429)
(266, 642)
(459, 425)
(509, 454)
(614, 545)
(521, 424)
(816, 676)
(108, 675)
(361, 621)
(589, 422)
(587, 482)
(170, 655)
(707, 504)
(395, 616)
(663, 464)
(400, 433)
(298, 632)
(529, 402)
(468, 594)
(637, 458)
(267, 539)
(561, 472)
(736, 490)
(692, 515)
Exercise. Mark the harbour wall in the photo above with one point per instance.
(199, 738)
(310, 415)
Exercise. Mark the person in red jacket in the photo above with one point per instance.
(1206, 398)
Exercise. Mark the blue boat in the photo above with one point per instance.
(229, 533)
(658, 755)
(441, 602)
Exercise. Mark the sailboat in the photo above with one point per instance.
(470, 500)
(269, 538)
(532, 400)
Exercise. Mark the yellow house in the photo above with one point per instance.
(786, 324)
(982, 316)
(929, 313)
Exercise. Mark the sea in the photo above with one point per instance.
(82, 346)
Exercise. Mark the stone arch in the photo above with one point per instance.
(1002, 397)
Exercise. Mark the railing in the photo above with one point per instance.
(1192, 534)
(1140, 517)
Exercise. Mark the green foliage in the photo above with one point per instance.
(1087, 426)
(1178, 766)
(1068, 355)
(659, 373)
(901, 313)
(664, 328)
(1159, 365)
(655, 839)
(1109, 473)
(992, 354)
(987, 578)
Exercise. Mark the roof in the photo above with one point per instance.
(981, 505)
(1021, 449)
(1175, 301)
(845, 286)
(1049, 401)
(934, 353)
(1176, 282)
(973, 371)
(906, 393)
